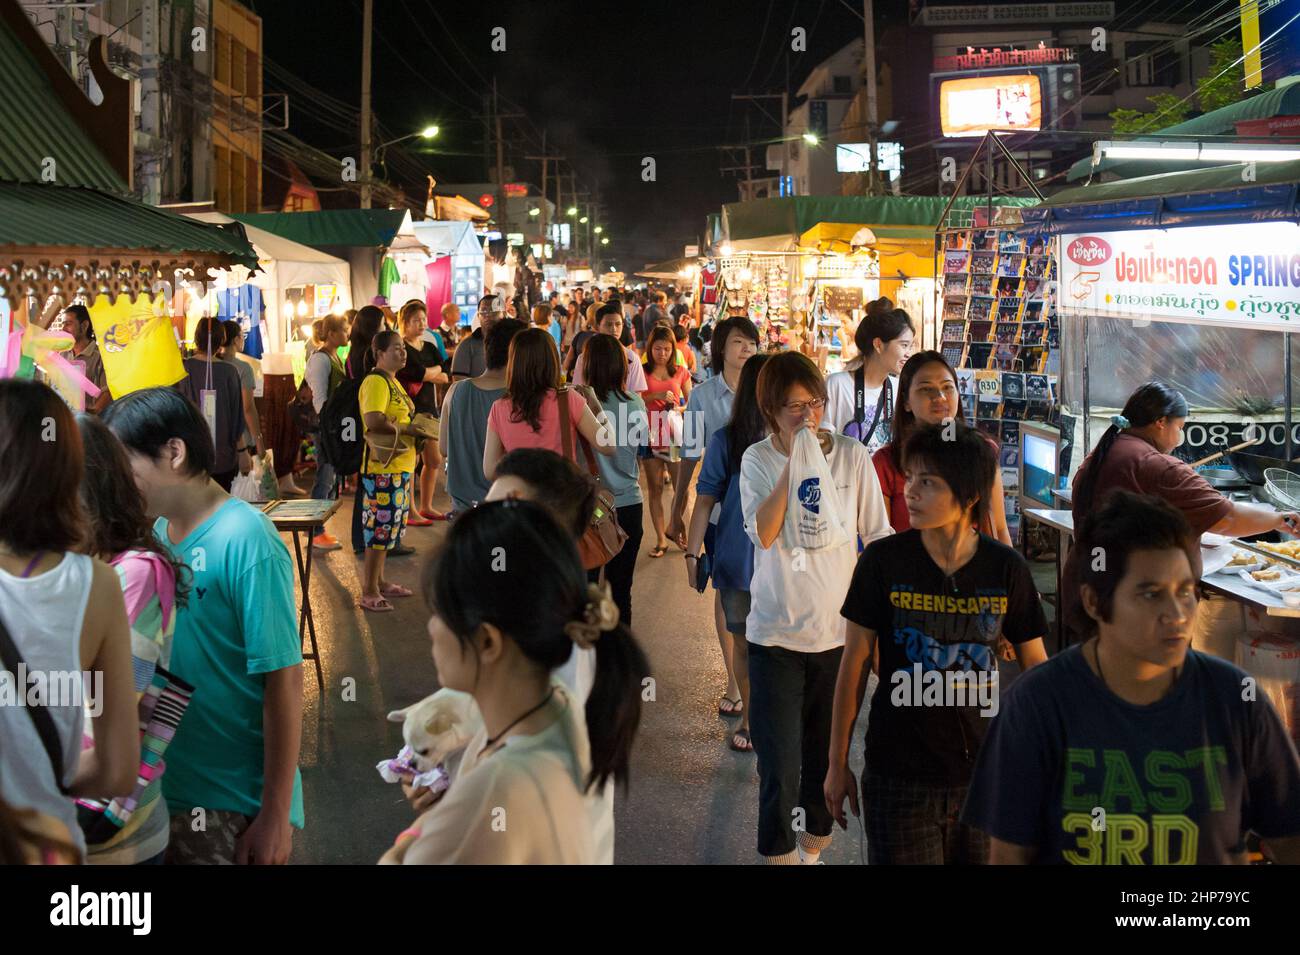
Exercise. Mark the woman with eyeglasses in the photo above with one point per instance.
(794, 632)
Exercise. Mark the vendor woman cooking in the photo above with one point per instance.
(1134, 454)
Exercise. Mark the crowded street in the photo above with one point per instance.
(829, 432)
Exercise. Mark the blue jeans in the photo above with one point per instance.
(325, 487)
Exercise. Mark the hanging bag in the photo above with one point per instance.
(604, 537)
(814, 517)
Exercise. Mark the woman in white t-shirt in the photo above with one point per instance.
(794, 630)
(520, 795)
(884, 340)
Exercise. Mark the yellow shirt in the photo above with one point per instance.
(381, 393)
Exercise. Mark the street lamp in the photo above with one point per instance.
(604, 240)
(429, 132)
(810, 139)
(583, 220)
(534, 211)
(573, 211)
(599, 229)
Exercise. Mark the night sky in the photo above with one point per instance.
(610, 82)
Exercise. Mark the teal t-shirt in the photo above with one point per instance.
(620, 472)
(238, 625)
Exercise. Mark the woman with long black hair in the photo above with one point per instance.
(731, 552)
(860, 400)
(1135, 454)
(520, 795)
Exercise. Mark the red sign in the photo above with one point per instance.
(983, 59)
(486, 200)
(1088, 250)
(1288, 126)
(516, 189)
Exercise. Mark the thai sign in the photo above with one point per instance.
(980, 59)
(1230, 275)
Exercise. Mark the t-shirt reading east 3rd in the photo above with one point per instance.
(1181, 781)
(794, 592)
(237, 626)
(942, 624)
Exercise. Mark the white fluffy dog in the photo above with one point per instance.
(437, 726)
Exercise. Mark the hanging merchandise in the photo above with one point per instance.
(245, 305)
(388, 276)
(438, 280)
(709, 284)
(136, 343)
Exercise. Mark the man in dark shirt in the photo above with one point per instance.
(470, 361)
(215, 388)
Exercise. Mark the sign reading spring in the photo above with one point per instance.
(1228, 275)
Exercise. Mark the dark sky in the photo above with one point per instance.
(611, 83)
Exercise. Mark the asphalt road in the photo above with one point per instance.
(692, 800)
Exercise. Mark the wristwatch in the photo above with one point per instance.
(695, 557)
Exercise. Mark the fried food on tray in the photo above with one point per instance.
(1286, 548)
(1269, 573)
(1243, 557)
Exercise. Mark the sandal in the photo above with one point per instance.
(746, 746)
(375, 604)
(416, 520)
(658, 551)
(737, 706)
(394, 590)
(432, 515)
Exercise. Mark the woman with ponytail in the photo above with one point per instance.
(1134, 454)
(528, 788)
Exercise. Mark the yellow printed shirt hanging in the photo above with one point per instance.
(137, 343)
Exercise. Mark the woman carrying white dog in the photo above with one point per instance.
(519, 797)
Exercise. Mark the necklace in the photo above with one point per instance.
(1096, 656)
(493, 740)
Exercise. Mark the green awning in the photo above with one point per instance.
(331, 227)
(670, 269)
(43, 215)
(34, 127)
(890, 217)
(1213, 179)
(1283, 101)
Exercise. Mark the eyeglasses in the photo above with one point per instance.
(799, 407)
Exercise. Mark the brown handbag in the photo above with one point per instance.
(604, 538)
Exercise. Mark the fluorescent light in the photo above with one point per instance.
(1196, 152)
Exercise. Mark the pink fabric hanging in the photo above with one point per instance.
(438, 292)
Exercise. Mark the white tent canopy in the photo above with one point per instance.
(286, 264)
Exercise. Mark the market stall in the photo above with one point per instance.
(453, 266)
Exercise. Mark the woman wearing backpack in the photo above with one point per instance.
(324, 374)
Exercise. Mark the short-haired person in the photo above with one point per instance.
(1135, 454)
(421, 376)
(528, 416)
(366, 324)
(206, 372)
(154, 584)
(1134, 728)
(470, 360)
(541, 755)
(609, 321)
(604, 367)
(734, 342)
(462, 429)
(884, 339)
(730, 551)
(668, 386)
(76, 322)
(386, 475)
(235, 755)
(230, 353)
(935, 600)
(795, 636)
(927, 395)
(64, 613)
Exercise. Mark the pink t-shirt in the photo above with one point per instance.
(520, 434)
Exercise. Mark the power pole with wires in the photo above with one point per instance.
(367, 27)
(545, 158)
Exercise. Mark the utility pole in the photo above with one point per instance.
(545, 157)
(784, 97)
(501, 159)
(869, 62)
(367, 24)
(151, 108)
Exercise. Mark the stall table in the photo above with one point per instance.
(302, 517)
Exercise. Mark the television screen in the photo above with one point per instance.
(1039, 458)
(974, 105)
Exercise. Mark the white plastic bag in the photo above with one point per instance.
(814, 516)
(247, 487)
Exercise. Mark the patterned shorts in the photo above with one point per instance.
(212, 844)
(386, 504)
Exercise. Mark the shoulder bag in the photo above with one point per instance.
(604, 538)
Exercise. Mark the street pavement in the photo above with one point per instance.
(691, 800)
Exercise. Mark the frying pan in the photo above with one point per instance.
(1251, 466)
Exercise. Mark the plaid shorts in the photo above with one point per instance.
(914, 823)
(214, 844)
(385, 505)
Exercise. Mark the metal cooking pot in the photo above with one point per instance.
(1251, 466)
(1223, 479)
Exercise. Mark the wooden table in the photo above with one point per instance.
(295, 517)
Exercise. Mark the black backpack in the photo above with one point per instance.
(342, 438)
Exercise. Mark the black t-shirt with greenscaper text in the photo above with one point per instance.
(924, 619)
(1087, 778)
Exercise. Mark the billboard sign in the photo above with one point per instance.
(974, 105)
(1229, 275)
(856, 157)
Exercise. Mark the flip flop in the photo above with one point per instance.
(394, 590)
(658, 551)
(747, 747)
(375, 604)
(435, 516)
(737, 706)
(414, 520)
